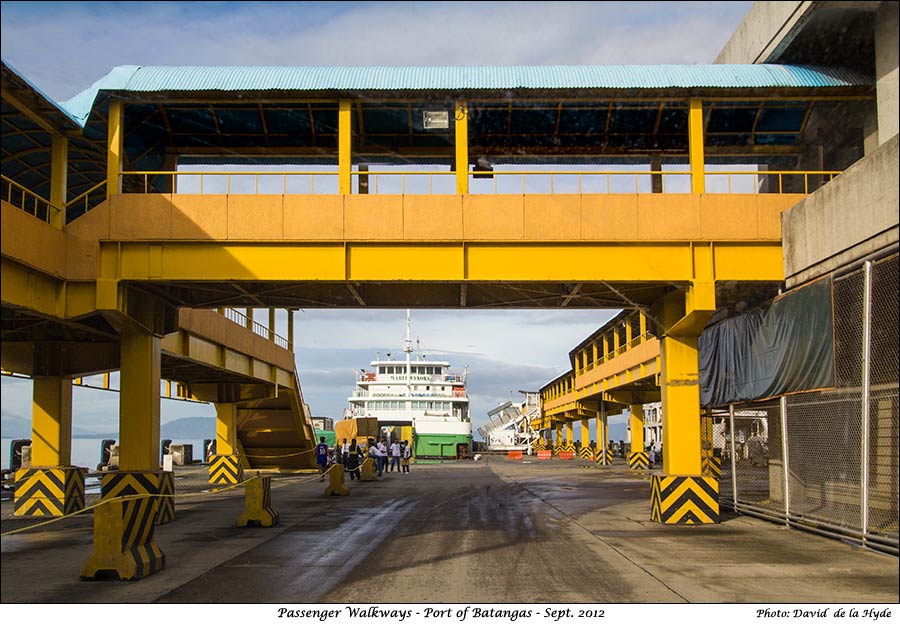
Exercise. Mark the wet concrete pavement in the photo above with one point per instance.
(477, 532)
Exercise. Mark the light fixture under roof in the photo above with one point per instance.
(436, 120)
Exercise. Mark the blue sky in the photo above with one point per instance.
(62, 48)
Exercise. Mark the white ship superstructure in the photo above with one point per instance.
(419, 393)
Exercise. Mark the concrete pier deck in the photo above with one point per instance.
(476, 532)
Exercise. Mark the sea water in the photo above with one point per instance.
(86, 451)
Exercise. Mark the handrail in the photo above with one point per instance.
(41, 207)
(257, 328)
(588, 181)
(85, 195)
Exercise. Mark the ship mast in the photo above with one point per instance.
(407, 348)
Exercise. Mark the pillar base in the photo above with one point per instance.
(603, 457)
(587, 453)
(368, 470)
(711, 466)
(52, 491)
(638, 460)
(225, 470)
(337, 486)
(129, 483)
(123, 540)
(677, 499)
(258, 504)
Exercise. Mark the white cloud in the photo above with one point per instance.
(65, 49)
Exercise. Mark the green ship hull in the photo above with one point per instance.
(442, 446)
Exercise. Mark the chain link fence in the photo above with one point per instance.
(827, 461)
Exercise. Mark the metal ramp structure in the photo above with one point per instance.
(510, 428)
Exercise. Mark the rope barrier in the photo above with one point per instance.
(222, 490)
(277, 456)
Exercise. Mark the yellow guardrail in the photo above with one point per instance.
(574, 181)
(257, 328)
(17, 195)
(86, 196)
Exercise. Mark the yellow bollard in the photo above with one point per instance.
(257, 503)
(336, 484)
(368, 470)
(123, 540)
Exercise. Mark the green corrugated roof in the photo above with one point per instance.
(460, 79)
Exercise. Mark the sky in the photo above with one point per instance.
(63, 47)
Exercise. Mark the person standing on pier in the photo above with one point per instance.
(395, 456)
(406, 451)
(322, 457)
(351, 461)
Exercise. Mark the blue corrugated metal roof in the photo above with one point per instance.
(381, 78)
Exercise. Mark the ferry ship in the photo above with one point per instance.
(423, 398)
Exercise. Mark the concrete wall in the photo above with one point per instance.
(886, 43)
(847, 219)
(767, 27)
(563, 217)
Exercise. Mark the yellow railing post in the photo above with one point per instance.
(695, 145)
(59, 163)
(114, 147)
(344, 142)
(461, 115)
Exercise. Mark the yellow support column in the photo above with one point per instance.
(139, 400)
(682, 495)
(637, 458)
(603, 455)
(558, 445)
(59, 164)
(695, 146)
(569, 444)
(51, 421)
(345, 131)
(115, 147)
(461, 114)
(225, 467)
(586, 452)
(50, 487)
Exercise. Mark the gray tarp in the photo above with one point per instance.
(785, 347)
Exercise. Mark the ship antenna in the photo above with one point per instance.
(408, 349)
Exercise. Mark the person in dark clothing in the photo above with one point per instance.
(322, 457)
(351, 461)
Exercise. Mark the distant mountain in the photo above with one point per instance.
(181, 429)
(15, 427)
(193, 428)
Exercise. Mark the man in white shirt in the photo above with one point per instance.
(395, 456)
(382, 457)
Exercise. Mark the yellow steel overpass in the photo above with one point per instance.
(512, 193)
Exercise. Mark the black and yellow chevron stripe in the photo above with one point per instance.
(586, 453)
(568, 447)
(539, 444)
(123, 540)
(557, 448)
(49, 491)
(138, 519)
(225, 470)
(684, 500)
(114, 484)
(258, 504)
(711, 466)
(639, 460)
(603, 456)
(166, 503)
